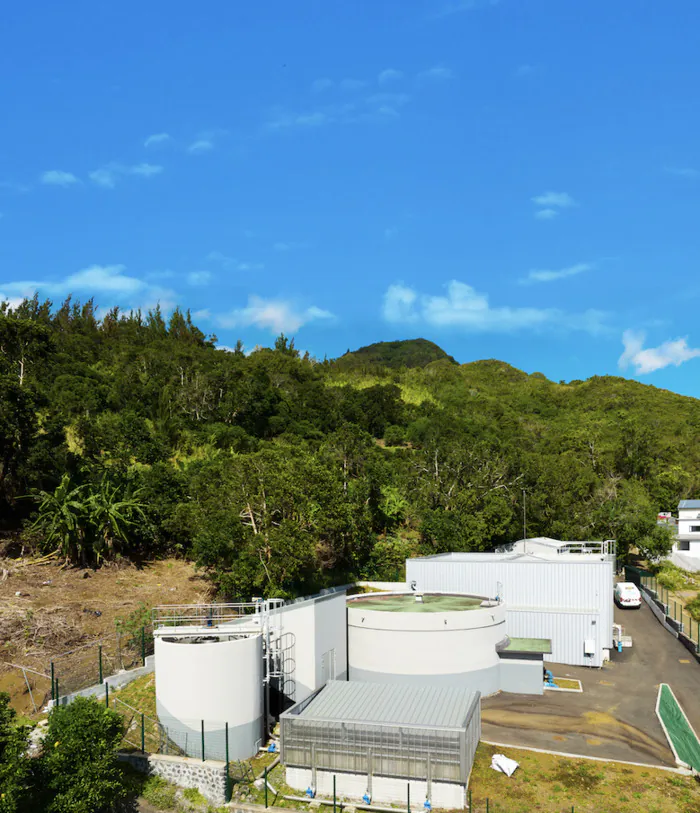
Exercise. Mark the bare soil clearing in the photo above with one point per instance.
(59, 608)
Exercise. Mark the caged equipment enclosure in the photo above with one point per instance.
(383, 742)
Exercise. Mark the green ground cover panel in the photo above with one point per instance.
(681, 734)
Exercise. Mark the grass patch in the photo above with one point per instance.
(567, 683)
(159, 793)
(549, 784)
(140, 694)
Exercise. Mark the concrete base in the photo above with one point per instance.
(385, 789)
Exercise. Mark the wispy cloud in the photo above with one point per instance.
(684, 172)
(551, 276)
(282, 245)
(648, 360)
(199, 277)
(389, 75)
(275, 315)
(201, 145)
(13, 186)
(108, 175)
(436, 72)
(57, 177)
(157, 139)
(319, 85)
(464, 308)
(553, 203)
(111, 282)
(232, 263)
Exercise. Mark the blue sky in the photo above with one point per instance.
(513, 179)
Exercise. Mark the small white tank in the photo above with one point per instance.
(440, 639)
(215, 679)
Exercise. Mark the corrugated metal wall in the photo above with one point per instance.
(541, 592)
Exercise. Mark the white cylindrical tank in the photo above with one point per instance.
(215, 680)
(439, 639)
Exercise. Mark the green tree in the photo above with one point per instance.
(78, 767)
(14, 763)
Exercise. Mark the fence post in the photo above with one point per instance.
(99, 658)
(143, 733)
(334, 793)
(227, 795)
(58, 696)
(143, 646)
(53, 682)
(265, 783)
(203, 760)
(408, 796)
(107, 695)
(487, 804)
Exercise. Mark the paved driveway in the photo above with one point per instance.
(615, 716)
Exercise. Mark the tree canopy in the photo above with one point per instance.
(133, 435)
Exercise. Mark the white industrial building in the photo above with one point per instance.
(688, 534)
(555, 594)
(229, 667)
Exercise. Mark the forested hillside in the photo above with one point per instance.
(132, 435)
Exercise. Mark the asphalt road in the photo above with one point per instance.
(615, 716)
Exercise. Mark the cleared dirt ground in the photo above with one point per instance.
(46, 609)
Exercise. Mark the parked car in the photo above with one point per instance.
(627, 596)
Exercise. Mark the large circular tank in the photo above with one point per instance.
(440, 639)
(217, 680)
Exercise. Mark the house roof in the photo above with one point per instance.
(392, 704)
(692, 504)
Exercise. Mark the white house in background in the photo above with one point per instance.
(688, 538)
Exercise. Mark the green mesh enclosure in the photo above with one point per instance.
(679, 731)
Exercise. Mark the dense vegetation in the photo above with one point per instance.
(76, 769)
(133, 435)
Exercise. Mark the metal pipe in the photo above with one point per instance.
(203, 759)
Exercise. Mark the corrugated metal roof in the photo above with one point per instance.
(519, 558)
(393, 704)
(688, 504)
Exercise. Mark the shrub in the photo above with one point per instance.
(159, 793)
(14, 766)
(78, 768)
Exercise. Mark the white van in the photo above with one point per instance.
(627, 595)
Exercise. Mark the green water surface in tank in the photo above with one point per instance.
(406, 603)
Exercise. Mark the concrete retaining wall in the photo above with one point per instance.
(209, 778)
(114, 682)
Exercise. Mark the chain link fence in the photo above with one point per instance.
(673, 607)
(91, 664)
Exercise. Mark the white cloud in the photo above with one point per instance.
(201, 145)
(204, 313)
(551, 276)
(198, 277)
(546, 214)
(111, 281)
(653, 358)
(276, 315)
(399, 302)
(145, 170)
(436, 72)
(463, 307)
(108, 175)
(319, 85)
(389, 75)
(157, 139)
(684, 172)
(57, 177)
(559, 200)
(13, 302)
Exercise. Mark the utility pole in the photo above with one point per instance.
(524, 523)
